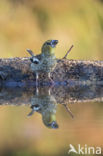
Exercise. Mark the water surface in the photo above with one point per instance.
(44, 121)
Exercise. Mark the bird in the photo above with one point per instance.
(46, 61)
(45, 104)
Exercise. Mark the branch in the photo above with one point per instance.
(68, 52)
(30, 52)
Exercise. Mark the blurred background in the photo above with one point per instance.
(28, 23)
(23, 136)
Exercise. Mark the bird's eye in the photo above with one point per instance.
(48, 43)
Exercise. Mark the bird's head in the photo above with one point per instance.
(48, 47)
(49, 120)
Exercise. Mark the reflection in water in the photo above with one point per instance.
(19, 133)
(73, 93)
(45, 103)
(44, 100)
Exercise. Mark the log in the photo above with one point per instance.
(17, 72)
(62, 95)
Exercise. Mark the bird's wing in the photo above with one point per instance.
(36, 59)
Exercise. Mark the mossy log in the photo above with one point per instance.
(17, 72)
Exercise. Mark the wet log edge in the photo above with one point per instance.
(67, 71)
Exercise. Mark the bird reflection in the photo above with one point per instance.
(45, 104)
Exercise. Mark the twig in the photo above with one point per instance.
(68, 52)
(31, 113)
(30, 52)
(68, 110)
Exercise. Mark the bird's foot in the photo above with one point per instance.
(37, 78)
(51, 80)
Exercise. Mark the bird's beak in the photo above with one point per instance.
(53, 125)
(54, 43)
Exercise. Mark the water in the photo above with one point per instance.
(44, 121)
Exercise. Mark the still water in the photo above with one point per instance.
(46, 120)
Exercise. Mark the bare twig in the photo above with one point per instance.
(31, 113)
(68, 110)
(68, 52)
(30, 52)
